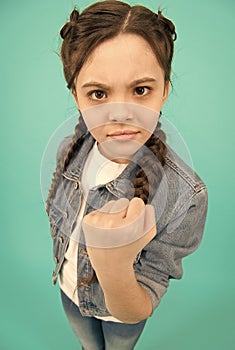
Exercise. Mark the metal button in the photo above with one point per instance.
(56, 260)
(83, 251)
(61, 239)
(75, 185)
(65, 215)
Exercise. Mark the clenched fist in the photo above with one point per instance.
(117, 232)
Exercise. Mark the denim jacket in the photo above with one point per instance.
(180, 206)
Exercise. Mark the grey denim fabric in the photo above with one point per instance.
(180, 204)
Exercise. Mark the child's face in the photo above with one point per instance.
(123, 69)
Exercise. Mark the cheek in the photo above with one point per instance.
(145, 135)
(98, 133)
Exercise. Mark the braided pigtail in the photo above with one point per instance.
(77, 140)
(157, 144)
(149, 172)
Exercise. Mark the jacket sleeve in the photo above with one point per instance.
(162, 258)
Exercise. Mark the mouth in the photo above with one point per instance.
(123, 135)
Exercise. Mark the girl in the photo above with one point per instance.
(124, 209)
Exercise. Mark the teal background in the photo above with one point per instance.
(198, 311)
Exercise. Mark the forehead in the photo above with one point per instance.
(125, 56)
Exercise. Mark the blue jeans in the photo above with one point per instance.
(96, 334)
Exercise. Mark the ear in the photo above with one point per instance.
(166, 92)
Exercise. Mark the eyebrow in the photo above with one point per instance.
(143, 80)
(132, 84)
(96, 84)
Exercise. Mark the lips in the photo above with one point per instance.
(123, 132)
(123, 135)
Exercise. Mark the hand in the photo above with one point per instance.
(117, 232)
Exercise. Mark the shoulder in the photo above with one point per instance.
(176, 168)
(181, 188)
(181, 177)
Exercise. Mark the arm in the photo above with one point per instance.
(161, 259)
(124, 297)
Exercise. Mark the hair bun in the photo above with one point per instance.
(65, 30)
(168, 25)
(74, 16)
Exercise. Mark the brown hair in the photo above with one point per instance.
(83, 33)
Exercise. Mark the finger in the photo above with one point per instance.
(111, 214)
(136, 208)
(106, 208)
(103, 210)
(119, 207)
(116, 212)
(148, 222)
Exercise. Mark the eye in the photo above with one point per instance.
(97, 94)
(142, 90)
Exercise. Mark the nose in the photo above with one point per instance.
(120, 112)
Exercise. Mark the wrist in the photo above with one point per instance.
(118, 275)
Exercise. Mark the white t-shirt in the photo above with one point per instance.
(97, 170)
